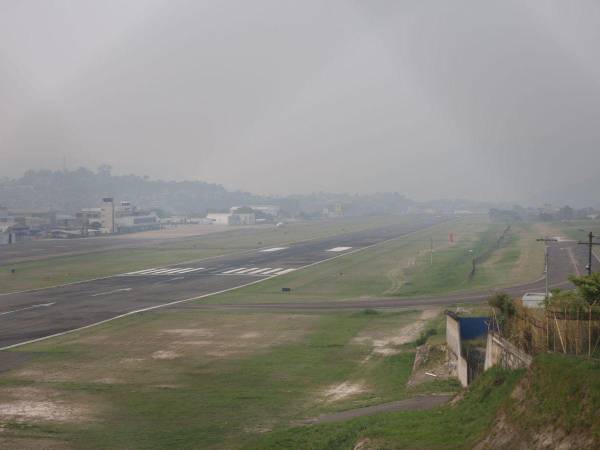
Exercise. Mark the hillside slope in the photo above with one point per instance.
(554, 406)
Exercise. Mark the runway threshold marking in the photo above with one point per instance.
(114, 291)
(254, 272)
(257, 271)
(234, 270)
(339, 249)
(41, 305)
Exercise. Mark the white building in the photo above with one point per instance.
(123, 218)
(107, 215)
(269, 210)
(232, 218)
(534, 299)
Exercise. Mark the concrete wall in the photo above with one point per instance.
(453, 334)
(501, 352)
(462, 371)
(456, 362)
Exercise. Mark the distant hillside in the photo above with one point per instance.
(72, 190)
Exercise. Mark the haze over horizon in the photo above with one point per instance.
(485, 101)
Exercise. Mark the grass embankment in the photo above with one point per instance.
(561, 392)
(402, 267)
(197, 379)
(67, 269)
(450, 427)
(554, 403)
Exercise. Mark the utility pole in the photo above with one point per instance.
(590, 243)
(545, 241)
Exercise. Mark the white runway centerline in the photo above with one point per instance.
(339, 249)
(111, 292)
(41, 305)
(274, 249)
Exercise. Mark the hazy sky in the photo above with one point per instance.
(476, 99)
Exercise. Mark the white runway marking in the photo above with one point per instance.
(41, 305)
(274, 249)
(254, 272)
(257, 271)
(111, 292)
(235, 270)
(165, 271)
(247, 270)
(339, 249)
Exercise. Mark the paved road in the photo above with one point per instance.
(412, 404)
(37, 314)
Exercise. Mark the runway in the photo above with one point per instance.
(566, 258)
(33, 315)
(38, 249)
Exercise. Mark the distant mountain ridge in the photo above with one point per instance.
(73, 190)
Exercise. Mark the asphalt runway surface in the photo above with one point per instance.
(52, 248)
(31, 315)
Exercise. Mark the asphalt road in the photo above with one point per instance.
(32, 315)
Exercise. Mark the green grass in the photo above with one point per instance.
(561, 391)
(449, 427)
(67, 269)
(199, 400)
(401, 267)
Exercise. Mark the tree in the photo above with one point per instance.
(588, 287)
(505, 306)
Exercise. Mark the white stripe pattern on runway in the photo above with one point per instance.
(339, 249)
(164, 271)
(257, 271)
(234, 270)
(247, 270)
(274, 249)
(285, 271)
(254, 272)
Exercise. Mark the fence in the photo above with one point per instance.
(574, 331)
(486, 254)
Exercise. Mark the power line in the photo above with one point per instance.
(545, 241)
(590, 243)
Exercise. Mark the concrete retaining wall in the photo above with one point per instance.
(453, 334)
(501, 352)
(457, 363)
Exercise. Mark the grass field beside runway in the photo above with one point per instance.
(67, 269)
(402, 267)
(205, 379)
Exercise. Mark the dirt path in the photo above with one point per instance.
(411, 404)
